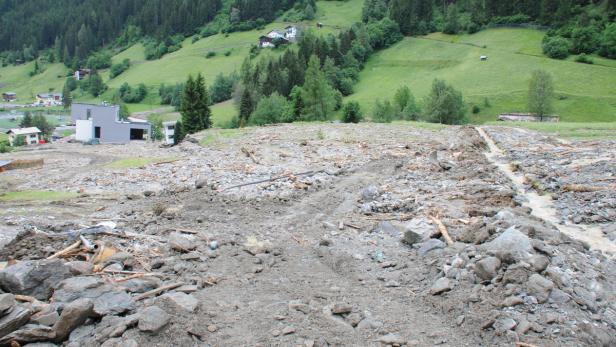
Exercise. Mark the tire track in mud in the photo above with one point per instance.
(542, 206)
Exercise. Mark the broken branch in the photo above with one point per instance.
(66, 250)
(158, 290)
(443, 229)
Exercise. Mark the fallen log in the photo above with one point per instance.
(158, 290)
(443, 230)
(251, 155)
(65, 250)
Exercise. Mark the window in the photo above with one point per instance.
(171, 127)
(32, 136)
(97, 132)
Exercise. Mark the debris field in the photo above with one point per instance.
(313, 235)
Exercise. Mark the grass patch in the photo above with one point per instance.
(136, 162)
(37, 195)
(215, 136)
(578, 131)
(586, 93)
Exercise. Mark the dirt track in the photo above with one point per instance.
(293, 250)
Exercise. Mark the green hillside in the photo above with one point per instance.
(584, 92)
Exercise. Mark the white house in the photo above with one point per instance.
(49, 99)
(30, 135)
(168, 132)
(291, 33)
(276, 34)
(483, 58)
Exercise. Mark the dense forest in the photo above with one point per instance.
(70, 30)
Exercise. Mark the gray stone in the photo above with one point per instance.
(79, 268)
(113, 303)
(557, 296)
(430, 245)
(46, 318)
(182, 301)
(586, 298)
(29, 333)
(487, 268)
(503, 325)
(539, 287)
(181, 243)
(13, 320)
(538, 263)
(511, 241)
(354, 318)
(73, 315)
(512, 301)
(142, 285)
(82, 333)
(79, 287)
(386, 228)
(370, 193)
(440, 286)
(341, 308)
(7, 301)
(201, 183)
(391, 339)
(152, 319)
(36, 278)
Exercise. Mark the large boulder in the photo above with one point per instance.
(152, 319)
(511, 244)
(14, 320)
(487, 268)
(182, 243)
(540, 287)
(73, 315)
(35, 278)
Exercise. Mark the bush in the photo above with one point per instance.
(101, 60)
(210, 54)
(222, 88)
(133, 95)
(118, 69)
(584, 59)
(272, 109)
(556, 47)
(227, 53)
(383, 112)
(476, 109)
(584, 40)
(444, 104)
(607, 42)
(5, 148)
(352, 112)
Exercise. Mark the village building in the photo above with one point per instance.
(9, 96)
(103, 123)
(81, 74)
(30, 135)
(278, 37)
(291, 33)
(49, 99)
(169, 132)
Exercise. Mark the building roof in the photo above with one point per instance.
(24, 131)
(9, 93)
(5, 162)
(171, 122)
(48, 95)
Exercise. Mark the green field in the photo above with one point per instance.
(37, 195)
(584, 92)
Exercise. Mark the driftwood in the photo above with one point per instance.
(158, 290)
(524, 344)
(167, 161)
(443, 229)
(583, 188)
(66, 250)
(250, 153)
(307, 173)
(186, 231)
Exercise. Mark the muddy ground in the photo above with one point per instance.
(342, 247)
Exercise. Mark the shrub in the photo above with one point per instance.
(476, 109)
(227, 53)
(444, 104)
(607, 42)
(271, 109)
(352, 112)
(133, 95)
(118, 69)
(5, 148)
(556, 47)
(383, 112)
(584, 59)
(210, 54)
(584, 40)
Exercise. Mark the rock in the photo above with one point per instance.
(7, 302)
(29, 333)
(539, 287)
(73, 315)
(391, 339)
(504, 215)
(181, 243)
(430, 245)
(36, 278)
(511, 241)
(557, 296)
(79, 287)
(17, 317)
(46, 318)
(152, 319)
(254, 246)
(512, 301)
(298, 305)
(141, 285)
(78, 268)
(212, 328)
(487, 268)
(586, 298)
(201, 183)
(538, 263)
(370, 193)
(41, 344)
(341, 308)
(386, 228)
(181, 301)
(503, 325)
(440, 286)
(354, 318)
(113, 303)
(288, 330)
(523, 327)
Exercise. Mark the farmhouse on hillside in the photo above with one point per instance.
(81, 74)
(30, 135)
(9, 96)
(277, 37)
(49, 99)
(103, 123)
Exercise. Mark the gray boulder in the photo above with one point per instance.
(181, 243)
(36, 278)
(511, 242)
(73, 315)
(540, 287)
(181, 301)
(29, 333)
(152, 319)
(114, 303)
(14, 320)
(430, 245)
(370, 193)
(487, 268)
(440, 286)
(7, 302)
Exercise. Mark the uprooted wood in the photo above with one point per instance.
(66, 250)
(442, 229)
(307, 173)
(250, 153)
(158, 290)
